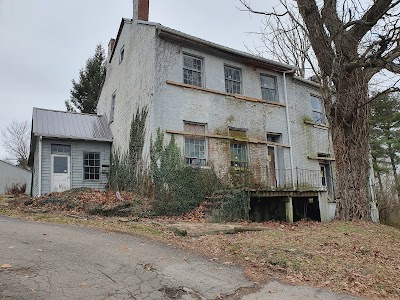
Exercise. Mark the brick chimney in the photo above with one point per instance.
(141, 10)
(111, 46)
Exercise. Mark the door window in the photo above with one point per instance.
(60, 165)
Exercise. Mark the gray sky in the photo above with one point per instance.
(44, 43)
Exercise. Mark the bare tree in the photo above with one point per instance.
(286, 41)
(352, 43)
(15, 139)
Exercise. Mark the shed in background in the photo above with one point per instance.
(10, 174)
(69, 150)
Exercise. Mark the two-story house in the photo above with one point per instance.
(227, 109)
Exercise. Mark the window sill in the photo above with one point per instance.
(217, 136)
(199, 167)
(233, 96)
(316, 125)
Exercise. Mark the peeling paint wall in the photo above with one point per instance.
(141, 80)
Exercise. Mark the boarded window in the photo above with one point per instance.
(192, 70)
(274, 137)
(91, 166)
(233, 80)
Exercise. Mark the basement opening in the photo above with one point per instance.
(267, 209)
(306, 208)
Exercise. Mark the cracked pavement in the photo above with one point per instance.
(52, 261)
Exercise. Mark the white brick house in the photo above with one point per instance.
(226, 108)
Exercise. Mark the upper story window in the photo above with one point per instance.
(195, 146)
(192, 70)
(318, 115)
(233, 80)
(121, 53)
(268, 88)
(112, 107)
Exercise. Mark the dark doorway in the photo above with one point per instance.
(306, 208)
(267, 209)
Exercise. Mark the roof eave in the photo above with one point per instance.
(36, 134)
(166, 33)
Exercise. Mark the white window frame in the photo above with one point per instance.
(201, 72)
(89, 166)
(321, 112)
(265, 88)
(189, 158)
(228, 80)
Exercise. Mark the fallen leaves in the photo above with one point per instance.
(5, 266)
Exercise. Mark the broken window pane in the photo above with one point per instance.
(195, 151)
(233, 80)
(192, 70)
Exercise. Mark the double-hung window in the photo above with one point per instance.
(91, 166)
(318, 115)
(238, 155)
(195, 151)
(195, 145)
(268, 88)
(233, 80)
(192, 70)
(238, 147)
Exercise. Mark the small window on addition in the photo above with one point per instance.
(121, 54)
(195, 146)
(268, 88)
(233, 80)
(318, 115)
(238, 148)
(192, 70)
(91, 166)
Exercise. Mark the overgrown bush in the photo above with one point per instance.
(178, 188)
(389, 207)
(234, 205)
(15, 189)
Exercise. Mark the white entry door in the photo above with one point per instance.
(60, 173)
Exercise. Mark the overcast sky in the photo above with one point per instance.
(44, 43)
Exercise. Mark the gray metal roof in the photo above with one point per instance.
(61, 124)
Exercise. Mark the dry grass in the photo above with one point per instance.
(358, 258)
(355, 257)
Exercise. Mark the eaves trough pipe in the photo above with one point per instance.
(40, 167)
(288, 126)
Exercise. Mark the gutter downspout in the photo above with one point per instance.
(288, 127)
(40, 167)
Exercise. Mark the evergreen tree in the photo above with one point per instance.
(85, 93)
(385, 136)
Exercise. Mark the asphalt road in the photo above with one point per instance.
(50, 261)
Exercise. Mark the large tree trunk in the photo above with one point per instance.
(348, 115)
